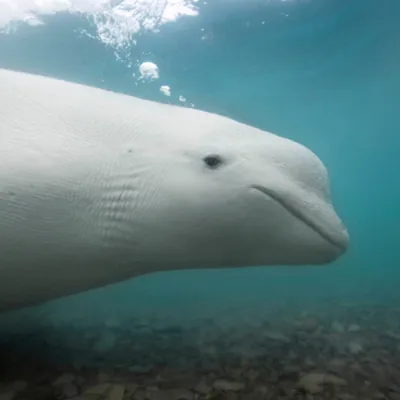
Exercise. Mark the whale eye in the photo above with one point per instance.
(213, 161)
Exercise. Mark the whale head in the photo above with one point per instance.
(230, 195)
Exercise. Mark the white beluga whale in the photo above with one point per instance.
(98, 187)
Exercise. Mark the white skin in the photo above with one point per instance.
(98, 187)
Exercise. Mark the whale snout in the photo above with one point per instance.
(322, 232)
(294, 187)
(319, 217)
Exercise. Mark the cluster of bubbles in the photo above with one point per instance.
(150, 72)
(117, 22)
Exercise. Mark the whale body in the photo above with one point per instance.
(98, 187)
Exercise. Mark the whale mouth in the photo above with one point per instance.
(302, 216)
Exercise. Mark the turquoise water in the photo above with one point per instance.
(324, 73)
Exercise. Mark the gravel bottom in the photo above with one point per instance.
(345, 352)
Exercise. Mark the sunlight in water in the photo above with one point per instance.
(117, 21)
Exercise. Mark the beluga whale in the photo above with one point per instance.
(98, 187)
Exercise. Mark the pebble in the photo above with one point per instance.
(112, 323)
(116, 392)
(184, 381)
(202, 387)
(394, 388)
(308, 324)
(81, 397)
(344, 396)
(252, 375)
(106, 342)
(140, 369)
(141, 394)
(64, 379)
(43, 392)
(379, 396)
(308, 362)
(337, 327)
(276, 336)
(70, 390)
(8, 395)
(173, 394)
(18, 386)
(131, 388)
(103, 377)
(336, 364)
(355, 347)
(392, 335)
(262, 390)
(353, 328)
(99, 389)
(314, 381)
(227, 385)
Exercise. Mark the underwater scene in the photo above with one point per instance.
(177, 249)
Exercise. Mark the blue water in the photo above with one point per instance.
(324, 73)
